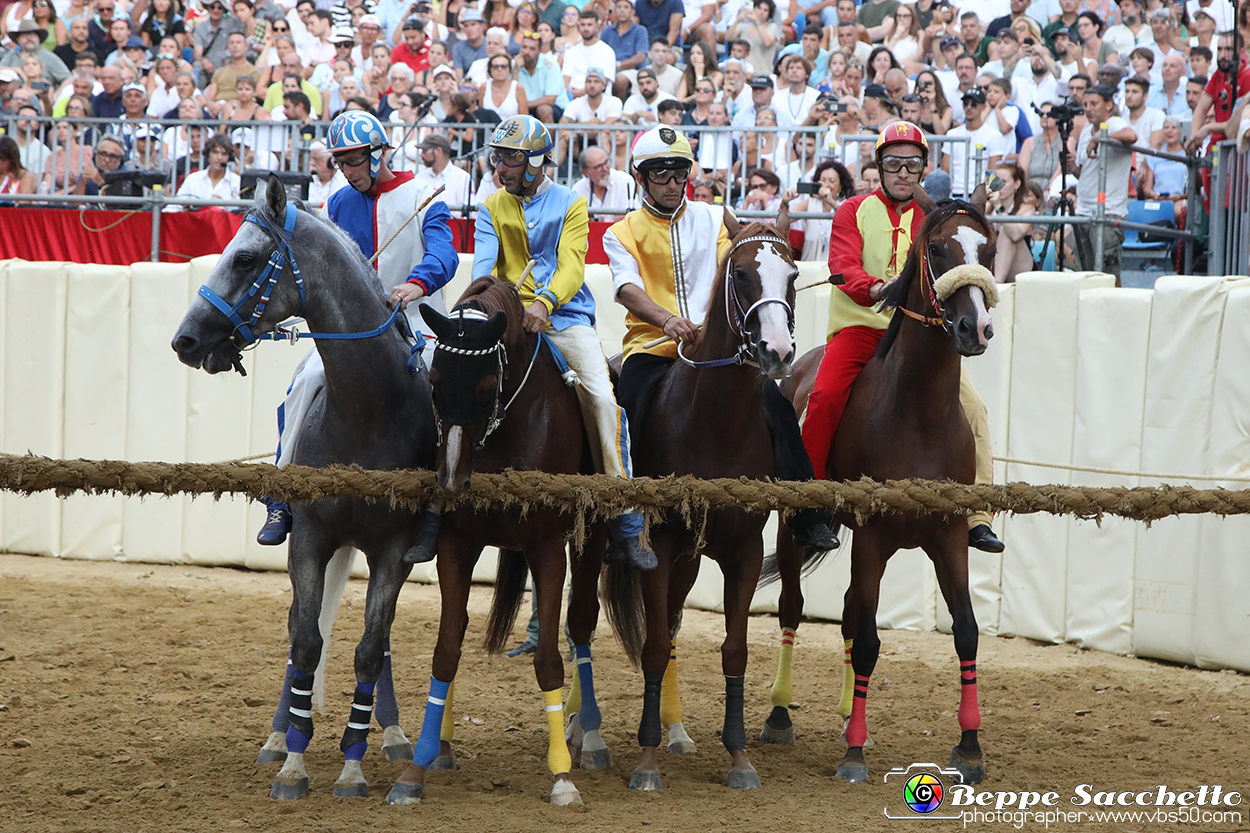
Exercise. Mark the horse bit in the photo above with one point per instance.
(738, 318)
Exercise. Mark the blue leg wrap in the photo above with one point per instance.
(628, 525)
(300, 730)
(429, 742)
(650, 731)
(431, 521)
(588, 713)
(387, 709)
(356, 735)
(282, 717)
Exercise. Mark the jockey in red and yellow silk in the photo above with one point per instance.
(871, 238)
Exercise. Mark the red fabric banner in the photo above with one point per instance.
(121, 238)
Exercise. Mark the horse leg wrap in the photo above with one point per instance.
(427, 746)
(857, 729)
(282, 716)
(574, 702)
(448, 732)
(588, 714)
(299, 731)
(649, 731)
(387, 709)
(783, 691)
(670, 694)
(848, 680)
(969, 711)
(734, 734)
(558, 759)
(356, 735)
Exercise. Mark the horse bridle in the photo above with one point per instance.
(736, 316)
(265, 283)
(927, 284)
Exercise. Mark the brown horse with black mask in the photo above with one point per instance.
(904, 420)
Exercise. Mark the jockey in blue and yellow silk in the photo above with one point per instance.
(533, 218)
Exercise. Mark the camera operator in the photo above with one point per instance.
(1099, 109)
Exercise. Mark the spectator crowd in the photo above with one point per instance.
(771, 93)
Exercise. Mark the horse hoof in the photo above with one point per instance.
(289, 790)
(403, 793)
(778, 728)
(563, 794)
(970, 772)
(679, 742)
(351, 789)
(596, 759)
(443, 762)
(274, 750)
(743, 779)
(395, 744)
(853, 773)
(646, 780)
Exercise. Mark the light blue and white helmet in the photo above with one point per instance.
(358, 129)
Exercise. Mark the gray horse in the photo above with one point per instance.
(375, 411)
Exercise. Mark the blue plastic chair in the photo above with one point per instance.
(1147, 211)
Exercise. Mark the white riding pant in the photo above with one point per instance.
(603, 418)
(306, 385)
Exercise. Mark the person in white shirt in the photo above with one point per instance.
(640, 108)
(1036, 90)
(320, 49)
(794, 99)
(436, 170)
(603, 186)
(1131, 32)
(592, 108)
(326, 179)
(214, 182)
(983, 137)
(590, 53)
(1147, 122)
(370, 31)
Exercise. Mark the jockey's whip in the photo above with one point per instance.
(440, 189)
(833, 280)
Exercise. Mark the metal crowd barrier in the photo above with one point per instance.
(1230, 211)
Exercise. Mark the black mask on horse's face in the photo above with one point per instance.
(465, 375)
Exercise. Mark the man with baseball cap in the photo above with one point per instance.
(761, 96)
(436, 169)
(472, 44)
(640, 108)
(415, 49)
(983, 137)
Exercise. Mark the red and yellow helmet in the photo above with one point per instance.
(904, 133)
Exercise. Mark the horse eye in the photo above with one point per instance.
(244, 260)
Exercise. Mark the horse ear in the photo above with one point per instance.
(275, 196)
(922, 198)
(496, 326)
(732, 226)
(438, 322)
(783, 220)
(979, 197)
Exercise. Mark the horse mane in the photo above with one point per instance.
(491, 295)
(340, 237)
(896, 295)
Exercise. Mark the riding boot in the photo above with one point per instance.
(426, 546)
(983, 538)
(277, 525)
(815, 529)
(623, 545)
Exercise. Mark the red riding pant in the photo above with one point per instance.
(845, 356)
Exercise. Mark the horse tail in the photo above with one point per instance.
(785, 556)
(509, 590)
(338, 571)
(622, 588)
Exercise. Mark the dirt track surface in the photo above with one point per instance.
(134, 697)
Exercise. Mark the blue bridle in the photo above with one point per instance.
(265, 284)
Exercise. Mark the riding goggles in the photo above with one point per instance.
(509, 159)
(351, 158)
(664, 177)
(894, 164)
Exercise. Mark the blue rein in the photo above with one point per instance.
(265, 284)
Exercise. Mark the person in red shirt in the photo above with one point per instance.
(871, 238)
(1220, 94)
(415, 50)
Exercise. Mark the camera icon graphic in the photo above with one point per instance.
(923, 791)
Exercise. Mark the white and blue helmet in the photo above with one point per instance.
(358, 129)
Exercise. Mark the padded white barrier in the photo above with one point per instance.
(1222, 621)
(1040, 428)
(1110, 390)
(1184, 348)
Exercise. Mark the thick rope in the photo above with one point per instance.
(602, 496)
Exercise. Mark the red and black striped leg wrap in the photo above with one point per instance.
(857, 726)
(356, 735)
(969, 711)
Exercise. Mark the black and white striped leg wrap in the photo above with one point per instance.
(356, 735)
(300, 729)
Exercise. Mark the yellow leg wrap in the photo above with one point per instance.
(848, 681)
(783, 691)
(670, 698)
(574, 703)
(449, 720)
(558, 759)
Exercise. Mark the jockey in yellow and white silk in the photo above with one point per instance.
(533, 218)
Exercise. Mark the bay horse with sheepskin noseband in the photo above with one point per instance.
(707, 419)
(500, 403)
(903, 420)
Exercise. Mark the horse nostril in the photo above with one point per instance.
(185, 344)
(989, 332)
